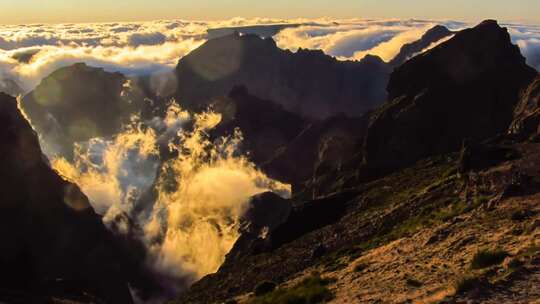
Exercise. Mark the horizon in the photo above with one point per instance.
(101, 11)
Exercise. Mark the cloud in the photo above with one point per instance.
(201, 194)
(153, 38)
(528, 40)
(353, 39)
(136, 48)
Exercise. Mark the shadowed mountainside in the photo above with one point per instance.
(53, 244)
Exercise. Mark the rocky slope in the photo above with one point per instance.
(309, 83)
(54, 245)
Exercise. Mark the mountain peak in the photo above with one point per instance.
(483, 49)
(466, 87)
(306, 82)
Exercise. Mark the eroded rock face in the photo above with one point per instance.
(466, 87)
(53, 243)
(527, 112)
(309, 83)
(79, 102)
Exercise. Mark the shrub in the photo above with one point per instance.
(311, 290)
(264, 288)
(486, 258)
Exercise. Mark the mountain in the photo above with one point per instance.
(465, 88)
(409, 50)
(452, 214)
(80, 102)
(54, 244)
(308, 83)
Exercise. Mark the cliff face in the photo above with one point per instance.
(308, 83)
(53, 244)
(466, 87)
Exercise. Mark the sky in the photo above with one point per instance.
(66, 11)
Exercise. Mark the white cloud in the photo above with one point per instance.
(147, 47)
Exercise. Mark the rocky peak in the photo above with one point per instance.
(470, 55)
(467, 87)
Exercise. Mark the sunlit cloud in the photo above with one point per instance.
(201, 194)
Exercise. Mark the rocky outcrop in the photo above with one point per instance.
(79, 102)
(307, 82)
(412, 49)
(464, 88)
(53, 243)
(527, 113)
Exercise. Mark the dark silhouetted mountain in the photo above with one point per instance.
(307, 82)
(527, 113)
(409, 50)
(464, 88)
(53, 244)
(79, 102)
